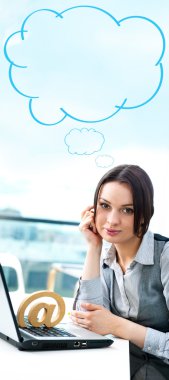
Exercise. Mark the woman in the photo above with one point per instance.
(124, 289)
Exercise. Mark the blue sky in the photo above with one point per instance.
(83, 87)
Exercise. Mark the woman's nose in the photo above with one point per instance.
(113, 217)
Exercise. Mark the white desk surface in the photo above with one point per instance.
(110, 362)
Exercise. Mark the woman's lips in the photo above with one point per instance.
(112, 232)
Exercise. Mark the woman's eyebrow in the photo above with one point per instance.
(105, 200)
(128, 204)
(124, 205)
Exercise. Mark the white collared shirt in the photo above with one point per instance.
(126, 296)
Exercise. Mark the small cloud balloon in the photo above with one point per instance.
(104, 161)
(66, 68)
(84, 141)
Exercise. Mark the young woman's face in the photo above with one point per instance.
(115, 213)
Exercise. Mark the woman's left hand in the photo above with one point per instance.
(100, 320)
(96, 318)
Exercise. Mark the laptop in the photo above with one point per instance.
(65, 336)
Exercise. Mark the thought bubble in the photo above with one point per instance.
(104, 161)
(84, 64)
(84, 141)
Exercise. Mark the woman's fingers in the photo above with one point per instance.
(87, 210)
(87, 221)
(87, 225)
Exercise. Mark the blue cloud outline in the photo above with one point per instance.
(81, 131)
(118, 107)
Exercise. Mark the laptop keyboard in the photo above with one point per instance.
(45, 331)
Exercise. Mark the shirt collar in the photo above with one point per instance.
(144, 255)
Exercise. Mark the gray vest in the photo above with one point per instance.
(153, 311)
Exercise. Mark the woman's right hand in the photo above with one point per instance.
(88, 227)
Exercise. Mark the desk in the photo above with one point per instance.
(102, 363)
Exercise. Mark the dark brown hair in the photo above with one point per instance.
(142, 192)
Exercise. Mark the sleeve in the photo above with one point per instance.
(96, 290)
(89, 291)
(156, 342)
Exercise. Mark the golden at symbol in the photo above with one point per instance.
(47, 308)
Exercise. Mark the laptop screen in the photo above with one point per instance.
(8, 324)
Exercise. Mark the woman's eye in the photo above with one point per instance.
(104, 205)
(128, 210)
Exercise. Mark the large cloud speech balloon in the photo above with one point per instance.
(84, 64)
